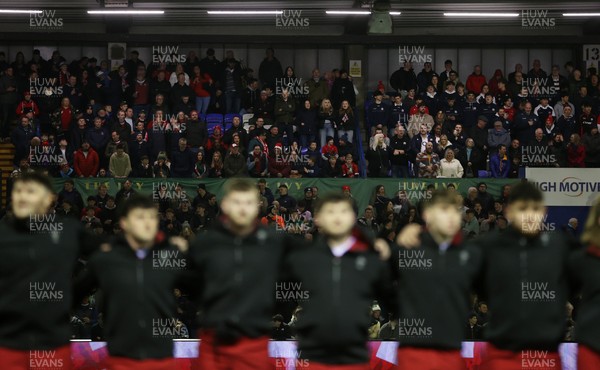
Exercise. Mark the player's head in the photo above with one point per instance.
(591, 230)
(138, 218)
(442, 213)
(241, 202)
(31, 194)
(334, 215)
(525, 209)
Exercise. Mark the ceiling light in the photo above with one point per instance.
(581, 14)
(481, 15)
(126, 12)
(395, 13)
(244, 12)
(348, 12)
(17, 11)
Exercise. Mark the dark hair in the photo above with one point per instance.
(37, 177)
(277, 317)
(239, 184)
(443, 196)
(135, 202)
(333, 198)
(525, 191)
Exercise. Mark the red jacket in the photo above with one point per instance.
(475, 82)
(197, 84)
(86, 166)
(576, 156)
(350, 172)
(27, 105)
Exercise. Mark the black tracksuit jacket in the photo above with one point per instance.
(138, 302)
(335, 317)
(434, 288)
(585, 266)
(235, 279)
(37, 262)
(526, 283)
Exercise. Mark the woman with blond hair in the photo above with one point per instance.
(378, 156)
(585, 266)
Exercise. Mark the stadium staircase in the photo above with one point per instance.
(7, 152)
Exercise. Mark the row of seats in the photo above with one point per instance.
(224, 121)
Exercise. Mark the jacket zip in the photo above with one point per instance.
(524, 268)
(140, 282)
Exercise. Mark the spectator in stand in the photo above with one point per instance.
(345, 121)
(591, 143)
(526, 122)
(143, 169)
(265, 108)
(279, 166)
(27, 105)
(285, 107)
(9, 97)
(404, 79)
(378, 157)
(306, 121)
(329, 149)
(586, 120)
(471, 224)
(562, 103)
(497, 78)
(368, 219)
(428, 162)
(450, 167)
(567, 123)
(445, 75)
(476, 80)
(343, 89)
(399, 153)
(70, 194)
(216, 166)
(231, 85)
(471, 159)
(21, 138)
(270, 68)
(287, 203)
(544, 110)
(202, 84)
(86, 161)
(180, 89)
(424, 77)
(349, 168)
(257, 163)
(183, 161)
(498, 136)
(317, 88)
(378, 112)
(499, 163)
(331, 167)
(235, 163)
(326, 118)
(537, 71)
(418, 119)
(550, 128)
(119, 164)
(250, 96)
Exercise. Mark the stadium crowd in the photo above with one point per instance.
(211, 118)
